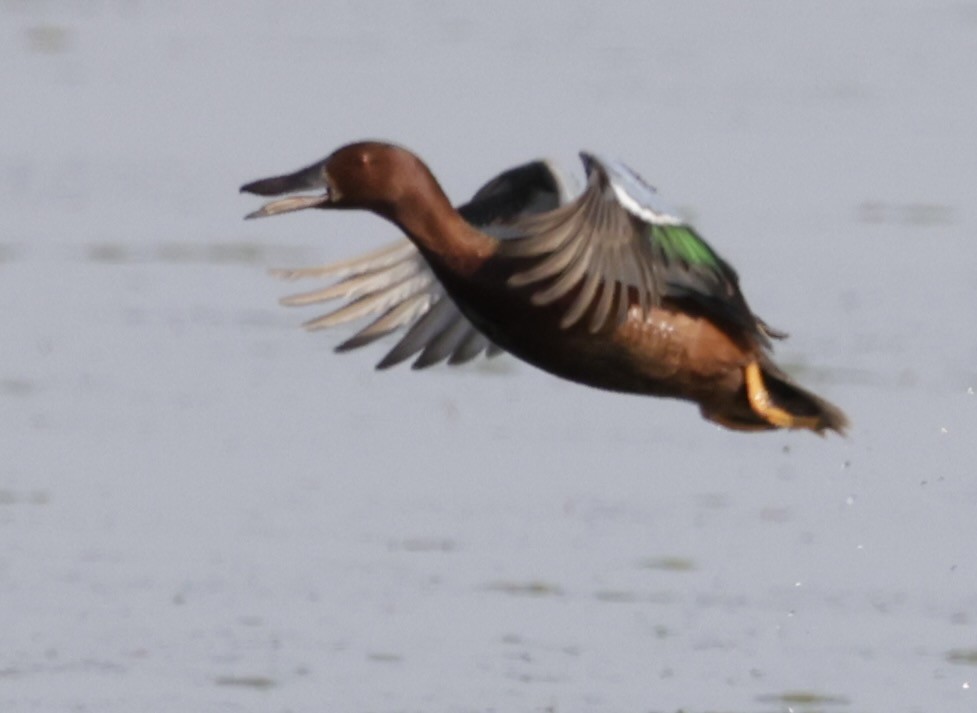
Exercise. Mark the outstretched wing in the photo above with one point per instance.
(618, 244)
(397, 289)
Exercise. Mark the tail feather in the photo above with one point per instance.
(802, 403)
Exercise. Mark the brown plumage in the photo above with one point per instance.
(611, 289)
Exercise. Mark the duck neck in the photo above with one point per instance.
(440, 233)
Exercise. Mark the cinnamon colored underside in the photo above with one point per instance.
(609, 290)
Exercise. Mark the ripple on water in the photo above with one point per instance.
(165, 253)
(255, 682)
(22, 497)
(964, 657)
(668, 564)
(808, 701)
(920, 214)
(534, 588)
(48, 39)
(17, 387)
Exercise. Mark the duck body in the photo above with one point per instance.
(609, 289)
(664, 351)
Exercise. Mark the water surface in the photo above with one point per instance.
(203, 509)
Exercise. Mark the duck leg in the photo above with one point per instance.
(733, 424)
(763, 404)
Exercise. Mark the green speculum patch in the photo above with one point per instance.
(679, 242)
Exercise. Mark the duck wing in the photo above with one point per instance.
(395, 287)
(618, 244)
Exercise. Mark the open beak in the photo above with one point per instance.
(309, 178)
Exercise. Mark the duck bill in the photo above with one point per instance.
(309, 178)
(287, 205)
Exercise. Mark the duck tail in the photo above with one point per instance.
(806, 409)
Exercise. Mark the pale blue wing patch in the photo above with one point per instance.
(632, 192)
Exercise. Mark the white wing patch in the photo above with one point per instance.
(636, 196)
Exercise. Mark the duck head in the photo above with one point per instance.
(368, 175)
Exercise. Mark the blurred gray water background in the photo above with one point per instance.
(203, 509)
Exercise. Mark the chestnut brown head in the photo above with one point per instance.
(368, 175)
